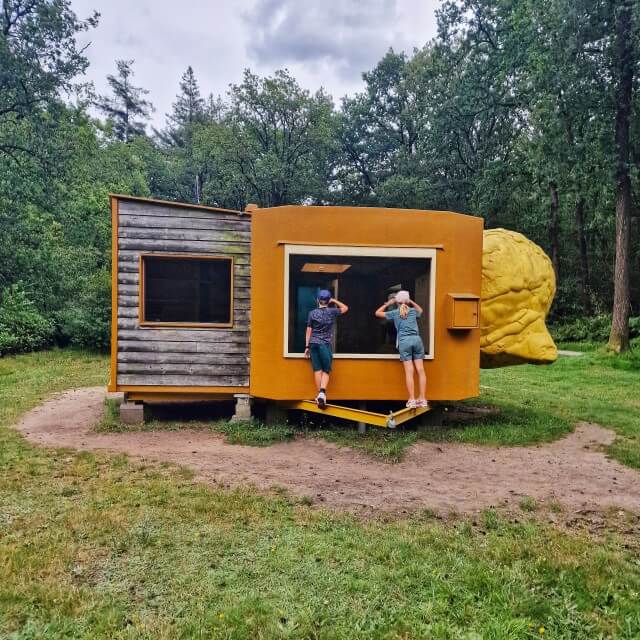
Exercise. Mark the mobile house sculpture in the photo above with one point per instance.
(212, 304)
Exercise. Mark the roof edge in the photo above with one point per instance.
(365, 209)
(172, 203)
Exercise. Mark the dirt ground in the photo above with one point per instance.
(443, 477)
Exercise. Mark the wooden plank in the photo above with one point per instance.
(242, 260)
(134, 324)
(183, 380)
(169, 211)
(127, 312)
(212, 223)
(126, 265)
(219, 236)
(237, 346)
(184, 246)
(210, 359)
(197, 336)
(183, 369)
(126, 300)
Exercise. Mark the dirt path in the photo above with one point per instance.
(442, 477)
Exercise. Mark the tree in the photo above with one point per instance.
(189, 106)
(189, 111)
(624, 61)
(39, 58)
(126, 105)
(281, 139)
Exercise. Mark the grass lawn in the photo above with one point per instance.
(96, 546)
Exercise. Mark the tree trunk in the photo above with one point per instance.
(585, 285)
(554, 229)
(197, 188)
(619, 336)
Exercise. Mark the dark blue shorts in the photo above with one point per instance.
(321, 357)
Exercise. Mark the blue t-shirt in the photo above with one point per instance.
(404, 326)
(321, 321)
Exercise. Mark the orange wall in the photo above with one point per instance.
(453, 374)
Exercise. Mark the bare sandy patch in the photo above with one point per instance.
(444, 477)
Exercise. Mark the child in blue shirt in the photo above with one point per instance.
(319, 341)
(408, 343)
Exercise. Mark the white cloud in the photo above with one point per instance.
(325, 44)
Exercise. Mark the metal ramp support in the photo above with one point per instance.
(385, 420)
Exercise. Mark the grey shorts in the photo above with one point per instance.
(411, 348)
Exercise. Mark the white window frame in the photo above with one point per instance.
(347, 250)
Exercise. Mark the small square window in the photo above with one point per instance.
(185, 290)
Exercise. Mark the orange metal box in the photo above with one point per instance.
(451, 244)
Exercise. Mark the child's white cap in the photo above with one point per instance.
(402, 297)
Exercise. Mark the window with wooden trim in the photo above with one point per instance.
(186, 290)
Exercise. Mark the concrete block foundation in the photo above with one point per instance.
(131, 413)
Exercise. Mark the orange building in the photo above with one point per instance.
(210, 303)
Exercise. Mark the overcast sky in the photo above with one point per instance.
(325, 43)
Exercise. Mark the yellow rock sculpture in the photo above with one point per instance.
(518, 285)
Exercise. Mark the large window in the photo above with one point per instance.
(186, 290)
(363, 278)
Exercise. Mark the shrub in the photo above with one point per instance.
(590, 329)
(22, 326)
(86, 322)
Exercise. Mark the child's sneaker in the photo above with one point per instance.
(422, 404)
(321, 400)
(411, 404)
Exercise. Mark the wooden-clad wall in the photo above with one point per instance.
(173, 356)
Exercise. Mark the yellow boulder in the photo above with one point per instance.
(518, 285)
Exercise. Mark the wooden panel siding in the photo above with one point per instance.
(204, 224)
(172, 356)
(216, 237)
(177, 210)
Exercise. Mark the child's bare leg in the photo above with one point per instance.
(324, 380)
(422, 378)
(317, 376)
(408, 376)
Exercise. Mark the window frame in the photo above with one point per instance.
(366, 251)
(184, 325)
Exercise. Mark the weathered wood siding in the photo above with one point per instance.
(171, 356)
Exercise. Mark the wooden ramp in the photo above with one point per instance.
(385, 420)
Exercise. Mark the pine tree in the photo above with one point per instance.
(127, 109)
(189, 105)
(214, 109)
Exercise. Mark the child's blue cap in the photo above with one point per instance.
(324, 295)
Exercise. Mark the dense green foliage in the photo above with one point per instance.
(22, 327)
(509, 113)
(594, 329)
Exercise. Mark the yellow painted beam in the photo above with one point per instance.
(358, 415)
(147, 396)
